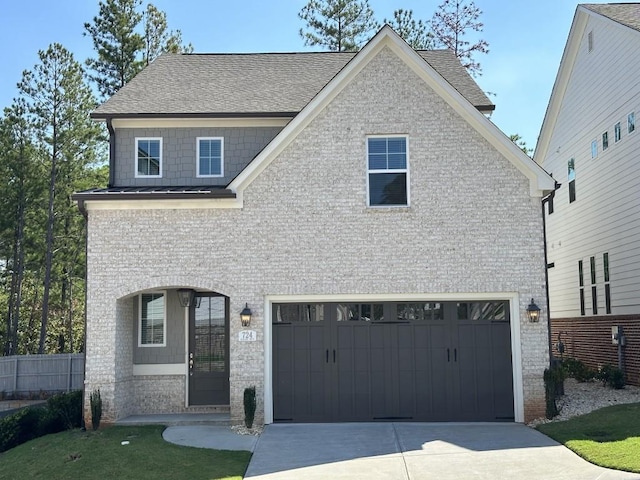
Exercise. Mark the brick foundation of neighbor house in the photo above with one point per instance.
(589, 339)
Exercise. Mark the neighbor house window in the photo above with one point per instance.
(148, 157)
(571, 176)
(387, 171)
(590, 41)
(152, 325)
(607, 288)
(631, 122)
(210, 157)
(594, 289)
(617, 132)
(594, 149)
(581, 283)
(605, 141)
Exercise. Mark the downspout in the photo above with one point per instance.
(112, 152)
(546, 199)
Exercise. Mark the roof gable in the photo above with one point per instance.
(539, 181)
(624, 16)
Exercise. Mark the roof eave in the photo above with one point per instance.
(110, 116)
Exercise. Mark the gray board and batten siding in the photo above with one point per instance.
(173, 351)
(241, 145)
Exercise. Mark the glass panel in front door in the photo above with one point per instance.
(209, 348)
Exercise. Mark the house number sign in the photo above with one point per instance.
(247, 336)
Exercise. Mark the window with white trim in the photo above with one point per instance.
(571, 176)
(617, 132)
(631, 122)
(152, 316)
(594, 149)
(387, 171)
(210, 156)
(605, 141)
(148, 157)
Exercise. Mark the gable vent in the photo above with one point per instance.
(590, 40)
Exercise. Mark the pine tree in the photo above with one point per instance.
(338, 25)
(58, 103)
(158, 38)
(415, 33)
(450, 24)
(117, 44)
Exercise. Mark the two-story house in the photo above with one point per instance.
(590, 145)
(348, 232)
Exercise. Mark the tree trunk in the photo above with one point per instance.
(48, 254)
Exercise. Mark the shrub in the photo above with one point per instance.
(65, 410)
(96, 408)
(249, 406)
(611, 376)
(553, 378)
(575, 368)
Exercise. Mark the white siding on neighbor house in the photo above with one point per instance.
(603, 89)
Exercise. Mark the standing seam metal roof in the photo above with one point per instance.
(248, 84)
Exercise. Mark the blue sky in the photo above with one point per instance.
(526, 39)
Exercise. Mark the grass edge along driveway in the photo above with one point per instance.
(100, 455)
(609, 437)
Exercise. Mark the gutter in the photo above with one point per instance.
(112, 155)
(547, 199)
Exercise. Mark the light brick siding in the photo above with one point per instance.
(305, 229)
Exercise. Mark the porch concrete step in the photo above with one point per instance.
(173, 419)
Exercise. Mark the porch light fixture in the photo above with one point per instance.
(533, 311)
(186, 296)
(245, 316)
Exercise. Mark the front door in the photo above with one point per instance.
(209, 350)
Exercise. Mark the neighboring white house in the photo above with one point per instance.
(385, 235)
(589, 143)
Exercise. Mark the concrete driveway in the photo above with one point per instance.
(416, 451)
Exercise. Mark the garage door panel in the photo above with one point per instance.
(432, 364)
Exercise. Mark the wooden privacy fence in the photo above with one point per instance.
(22, 374)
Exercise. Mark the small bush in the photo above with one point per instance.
(612, 377)
(553, 378)
(66, 410)
(96, 409)
(249, 406)
(62, 412)
(575, 368)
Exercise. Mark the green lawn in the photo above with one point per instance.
(609, 437)
(100, 455)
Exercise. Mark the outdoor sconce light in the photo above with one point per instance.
(245, 316)
(533, 311)
(186, 296)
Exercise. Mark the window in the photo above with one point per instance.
(607, 287)
(581, 282)
(592, 263)
(210, 157)
(571, 175)
(605, 141)
(617, 132)
(387, 171)
(148, 157)
(590, 40)
(594, 289)
(631, 122)
(594, 149)
(152, 327)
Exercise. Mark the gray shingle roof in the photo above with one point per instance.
(625, 13)
(251, 84)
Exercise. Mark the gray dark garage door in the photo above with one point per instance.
(435, 361)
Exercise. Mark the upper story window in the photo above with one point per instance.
(590, 41)
(631, 122)
(210, 156)
(605, 141)
(387, 171)
(594, 149)
(571, 176)
(152, 325)
(148, 157)
(617, 132)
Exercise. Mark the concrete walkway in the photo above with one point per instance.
(417, 451)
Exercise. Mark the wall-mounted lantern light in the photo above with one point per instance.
(533, 311)
(245, 316)
(186, 296)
